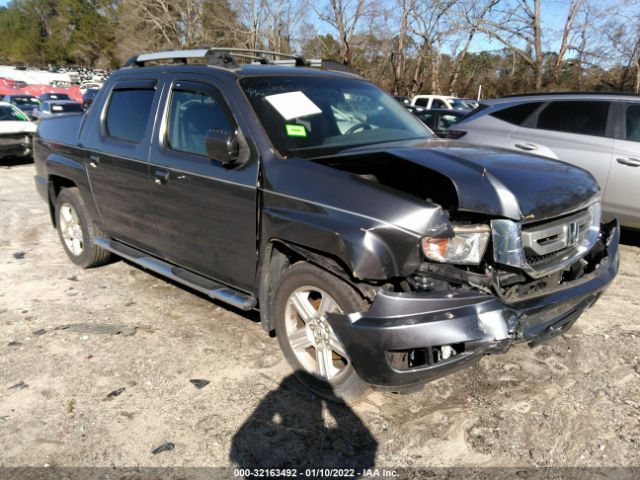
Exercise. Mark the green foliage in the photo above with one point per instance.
(103, 33)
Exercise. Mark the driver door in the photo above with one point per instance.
(205, 212)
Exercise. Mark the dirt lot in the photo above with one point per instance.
(574, 401)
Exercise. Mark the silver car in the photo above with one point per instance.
(48, 108)
(598, 132)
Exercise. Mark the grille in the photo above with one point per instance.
(544, 247)
(14, 138)
(543, 242)
(533, 259)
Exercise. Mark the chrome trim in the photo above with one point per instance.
(510, 242)
(555, 236)
(213, 289)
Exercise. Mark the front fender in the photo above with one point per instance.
(371, 249)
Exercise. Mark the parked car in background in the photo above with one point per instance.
(56, 107)
(438, 120)
(54, 96)
(16, 132)
(471, 102)
(88, 97)
(26, 103)
(84, 86)
(598, 132)
(440, 102)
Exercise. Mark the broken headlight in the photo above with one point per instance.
(466, 247)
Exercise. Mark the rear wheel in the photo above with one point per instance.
(76, 230)
(302, 301)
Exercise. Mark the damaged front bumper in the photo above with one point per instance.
(406, 339)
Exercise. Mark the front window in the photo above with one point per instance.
(312, 116)
(192, 113)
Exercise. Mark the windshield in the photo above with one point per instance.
(9, 113)
(459, 104)
(311, 116)
(24, 101)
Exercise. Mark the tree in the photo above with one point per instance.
(344, 16)
(469, 16)
(430, 24)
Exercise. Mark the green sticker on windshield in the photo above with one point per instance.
(296, 130)
(21, 116)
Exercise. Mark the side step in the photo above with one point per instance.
(193, 280)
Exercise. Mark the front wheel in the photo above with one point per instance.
(302, 301)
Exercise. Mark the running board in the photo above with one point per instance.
(202, 284)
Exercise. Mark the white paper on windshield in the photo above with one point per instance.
(293, 105)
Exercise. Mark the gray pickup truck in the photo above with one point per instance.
(377, 253)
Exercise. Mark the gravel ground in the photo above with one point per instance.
(95, 370)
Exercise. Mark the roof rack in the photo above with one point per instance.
(226, 58)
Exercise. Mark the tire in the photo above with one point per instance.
(313, 353)
(77, 232)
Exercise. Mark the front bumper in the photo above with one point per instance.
(15, 146)
(473, 324)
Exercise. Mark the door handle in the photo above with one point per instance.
(528, 147)
(94, 161)
(629, 161)
(161, 177)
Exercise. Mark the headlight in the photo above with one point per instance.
(466, 247)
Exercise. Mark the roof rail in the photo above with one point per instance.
(226, 58)
(540, 94)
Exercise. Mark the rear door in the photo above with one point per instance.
(206, 213)
(117, 142)
(494, 129)
(575, 131)
(622, 194)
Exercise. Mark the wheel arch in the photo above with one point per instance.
(55, 184)
(279, 254)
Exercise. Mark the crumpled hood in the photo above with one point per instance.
(495, 181)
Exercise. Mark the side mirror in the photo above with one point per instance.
(222, 145)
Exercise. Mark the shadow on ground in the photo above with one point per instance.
(292, 428)
(630, 237)
(14, 161)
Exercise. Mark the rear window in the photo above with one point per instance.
(421, 102)
(586, 118)
(517, 114)
(632, 123)
(128, 114)
(66, 107)
(58, 96)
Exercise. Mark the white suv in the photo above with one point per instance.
(441, 102)
(599, 132)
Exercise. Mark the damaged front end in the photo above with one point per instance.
(459, 251)
(445, 317)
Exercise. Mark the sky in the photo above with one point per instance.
(554, 13)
